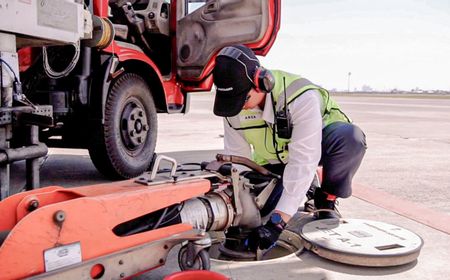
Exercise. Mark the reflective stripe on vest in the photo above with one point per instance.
(291, 90)
(260, 135)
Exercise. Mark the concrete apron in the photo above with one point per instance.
(306, 265)
(291, 251)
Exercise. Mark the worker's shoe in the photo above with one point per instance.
(325, 205)
(309, 204)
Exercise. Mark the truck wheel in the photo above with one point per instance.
(123, 147)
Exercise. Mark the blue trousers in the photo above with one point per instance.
(343, 148)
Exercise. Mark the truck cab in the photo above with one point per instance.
(145, 57)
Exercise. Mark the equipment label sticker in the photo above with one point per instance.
(58, 14)
(62, 256)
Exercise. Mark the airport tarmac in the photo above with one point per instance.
(403, 180)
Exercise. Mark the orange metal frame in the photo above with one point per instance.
(91, 212)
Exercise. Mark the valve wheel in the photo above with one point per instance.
(201, 262)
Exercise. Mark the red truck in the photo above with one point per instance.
(149, 54)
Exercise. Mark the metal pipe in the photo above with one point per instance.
(24, 153)
(221, 209)
(84, 74)
(32, 164)
(4, 168)
(245, 161)
(195, 213)
(7, 45)
(210, 212)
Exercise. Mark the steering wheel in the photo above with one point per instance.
(156, 16)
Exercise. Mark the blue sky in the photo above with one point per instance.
(400, 44)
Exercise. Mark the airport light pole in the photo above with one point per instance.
(348, 81)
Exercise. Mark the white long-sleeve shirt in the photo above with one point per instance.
(304, 147)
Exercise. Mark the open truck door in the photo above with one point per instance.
(217, 23)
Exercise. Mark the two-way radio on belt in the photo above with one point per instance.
(283, 118)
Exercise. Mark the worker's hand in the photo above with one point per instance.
(263, 237)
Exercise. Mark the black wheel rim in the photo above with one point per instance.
(134, 125)
(197, 265)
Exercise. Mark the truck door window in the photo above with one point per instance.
(193, 5)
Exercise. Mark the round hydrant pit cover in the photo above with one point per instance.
(361, 242)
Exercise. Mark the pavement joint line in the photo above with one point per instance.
(426, 216)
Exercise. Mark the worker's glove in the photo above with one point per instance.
(263, 237)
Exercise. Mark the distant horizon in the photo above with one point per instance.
(394, 91)
(366, 88)
(386, 45)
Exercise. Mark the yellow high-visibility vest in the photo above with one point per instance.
(260, 135)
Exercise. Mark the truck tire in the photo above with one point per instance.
(123, 146)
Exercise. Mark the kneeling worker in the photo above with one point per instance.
(290, 126)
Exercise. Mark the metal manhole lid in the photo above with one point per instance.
(361, 242)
